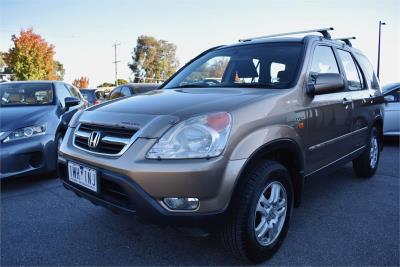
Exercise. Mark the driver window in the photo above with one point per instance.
(62, 92)
(323, 61)
(209, 72)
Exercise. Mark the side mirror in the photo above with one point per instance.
(389, 98)
(71, 101)
(326, 83)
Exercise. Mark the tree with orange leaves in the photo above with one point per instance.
(82, 82)
(31, 58)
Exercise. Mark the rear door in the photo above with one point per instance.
(362, 98)
(328, 116)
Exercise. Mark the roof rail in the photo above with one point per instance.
(323, 31)
(346, 40)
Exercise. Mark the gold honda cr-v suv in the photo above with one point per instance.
(227, 142)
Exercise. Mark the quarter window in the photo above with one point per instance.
(353, 74)
(323, 62)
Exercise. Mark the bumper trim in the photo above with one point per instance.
(145, 206)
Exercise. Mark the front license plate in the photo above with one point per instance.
(83, 176)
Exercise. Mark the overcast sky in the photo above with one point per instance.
(84, 31)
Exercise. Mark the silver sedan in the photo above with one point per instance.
(392, 109)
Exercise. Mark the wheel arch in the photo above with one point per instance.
(378, 123)
(284, 151)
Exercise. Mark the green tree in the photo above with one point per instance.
(121, 81)
(106, 84)
(153, 60)
(60, 71)
(2, 62)
(31, 57)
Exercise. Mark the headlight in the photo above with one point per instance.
(199, 137)
(26, 132)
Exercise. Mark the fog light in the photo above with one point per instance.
(181, 203)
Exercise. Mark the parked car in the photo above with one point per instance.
(93, 96)
(229, 139)
(131, 89)
(392, 109)
(34, 117)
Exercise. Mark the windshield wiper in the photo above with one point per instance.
(191, 85)
(257, 85)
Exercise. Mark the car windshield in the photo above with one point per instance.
(272, 65)
(26, 94)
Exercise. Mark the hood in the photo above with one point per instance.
(183, 102)
(156, 111)
(12, 118)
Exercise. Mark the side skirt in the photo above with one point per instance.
(337, 163)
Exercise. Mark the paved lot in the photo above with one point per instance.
(343, 221)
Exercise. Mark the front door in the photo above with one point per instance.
(329, 117)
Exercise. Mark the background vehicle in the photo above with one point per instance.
(130, 89)
(93, 96)
(34, 117)
(229, 139)
(392, 109)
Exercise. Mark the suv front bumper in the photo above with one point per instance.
(140, 184)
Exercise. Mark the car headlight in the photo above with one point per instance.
(198, 137)
(25, 132)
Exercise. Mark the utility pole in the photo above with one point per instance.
(116, 62)
(379, 47)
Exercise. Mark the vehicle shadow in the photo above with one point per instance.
(26, 184)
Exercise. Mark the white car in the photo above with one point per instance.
(392, 109)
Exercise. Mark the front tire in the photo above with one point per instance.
(367, 163)
(261, 213)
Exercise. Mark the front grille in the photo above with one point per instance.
(112, 140)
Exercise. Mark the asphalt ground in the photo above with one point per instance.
(343, 220)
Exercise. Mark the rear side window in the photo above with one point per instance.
(323, 61)
(353, 74)
(368, 71)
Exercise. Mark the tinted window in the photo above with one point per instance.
(62, 92)
(26, 94)
(116, 93)
(368, 71)
(74, 91)
(125, 91)
(243, 66)
(323, 61)
(353, 75)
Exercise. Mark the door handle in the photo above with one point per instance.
(347, 101)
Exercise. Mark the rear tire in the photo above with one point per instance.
(261, 213)
(366, 164)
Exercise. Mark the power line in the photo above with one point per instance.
(116, 62)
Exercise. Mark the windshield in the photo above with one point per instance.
(26, 94)
(257, 65)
